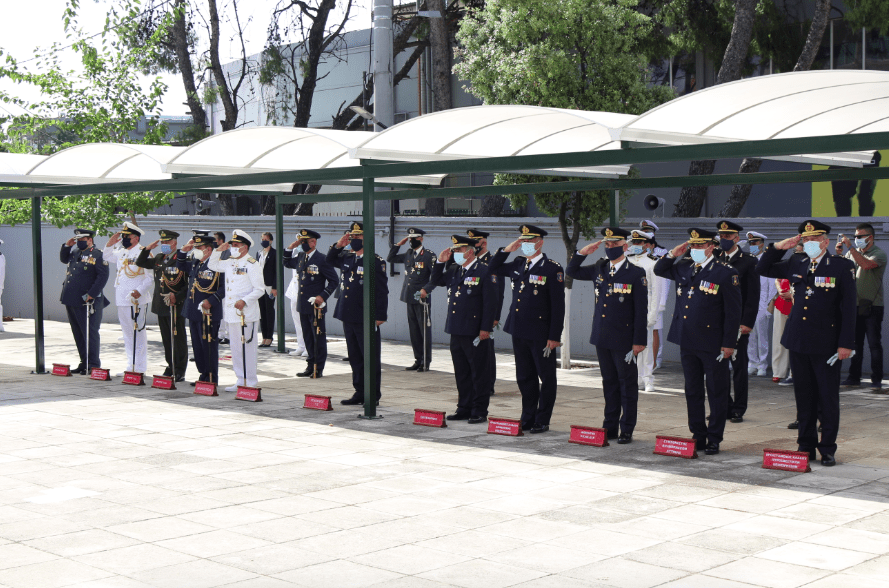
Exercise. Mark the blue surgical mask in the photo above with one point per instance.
(635, 250)
(613, 253)
(861, 242)
(357, 244)
(726, 244)
(699, 255)
(166, 249)
(755, 249)
(529, 249)
(812, 248)
(459, 257)
(82, 245)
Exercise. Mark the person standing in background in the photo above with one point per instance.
(415, 293)
(758, 347)
(268, 263)
(219, 237)
(657, 342)
(639, 254)
(291, 294)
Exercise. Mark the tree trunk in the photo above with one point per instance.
(183, 57)
(306, 208)
(228, 104)
(740, 193)
(435, 207)
(492, 206)
(691, 199)
(226, 204)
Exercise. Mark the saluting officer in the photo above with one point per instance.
(203, 304)
(619, 331)
(350, 306)
(169, 294)
(535, 320)
(820, 331)
(82, 295)
(472, 304)
(415, 290)
(132, 287)
(731, 254)
(244, 286)
(317, 280)
(705, 326)
(484, 256)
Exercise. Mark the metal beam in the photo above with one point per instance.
(371, 344)
(279, 261)
(37, 252)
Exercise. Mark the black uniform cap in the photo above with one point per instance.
(78, 233)
(168, 235)
(813, 227)
(614, 233)
(476, 234)
(196, 232)
(461, 241)
(205, 240)
(530, 232)
(415, 232)
(728, 226)
(308, 234)
(356, 228)
(700, 235)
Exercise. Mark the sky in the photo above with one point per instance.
(26, 25)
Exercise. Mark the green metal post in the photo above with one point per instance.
(37, 248)
(370, 290)
(279, 300)
(613, 205)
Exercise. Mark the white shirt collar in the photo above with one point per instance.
(470, 266)
(736, 252)
(618, 265)
(535, 260)
(706, 262)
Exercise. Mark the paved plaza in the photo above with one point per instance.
(104, 485)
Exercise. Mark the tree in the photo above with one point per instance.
(102, 103)
(578, 54)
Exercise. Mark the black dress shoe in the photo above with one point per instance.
(344, 358)
(793, 425)
(306, 373)
(476, 420)
(850, 382)
(623, 439)
(527, 426)
(612, 434)
(193, 384)
(180, 378)
(700, 444)
(416, 366)
(422, 369)
(457, 417)
(318, 374)
(81, 371)
(167, 373)
(711, 448)
(352, 401)
(736, 418)
(539, 429)
(828, 460)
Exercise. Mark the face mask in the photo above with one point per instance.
(635, 250)
(357, 244)
(699, 255)
(613, 253)
(305, 246)
(726, 244)
(812, 248)
(82, 245)
(755, 249)
(415, 243)
(265, 243)
(478, 250)
(127, 242)
(861, 242)
(166, 249)
(529, 249)
(459, 257)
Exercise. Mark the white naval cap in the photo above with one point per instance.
(239, 236)
(755, 235)
(641, 235)
(648, 224)
(131, 229)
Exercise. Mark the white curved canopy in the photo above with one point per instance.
(18, 164)
(495, 131)
(93, 162)
(780, 106)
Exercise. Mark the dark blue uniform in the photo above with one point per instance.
(350, 310)
(316, 278)
(706, 319)
(203, 284)
(87, 274)
(620, 320)
(492, 360)
(536, 315)
(472, 306)
(822, 320)
(417, 274)
(169, 279)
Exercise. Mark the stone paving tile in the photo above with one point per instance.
(81, 543)
(481, 574)
(194, 574)
(136, 558)
(619, 571)
(772, 574)
(340, 573)
(51, 574)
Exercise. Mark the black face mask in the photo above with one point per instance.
(415, 243)
(82, 245)
(478, 250)
(357, 244)
(613, 253)
(305, 246)
(127, 242)
(265, 243)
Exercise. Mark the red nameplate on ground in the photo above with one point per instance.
(509, 427)
(315, 402)
(205, 388)
(133, 379)
(588, 436)
(429, 418)
(783, 459)
(100, 374)
(675, 447)
(60, 369)
(163, 383)
(249, 394)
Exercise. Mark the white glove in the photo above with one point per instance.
(630, 358)
(322, 305)
(836, 356)
(547, 351)
(720, 357)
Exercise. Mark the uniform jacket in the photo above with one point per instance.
(417, 272)
(87, 274)
(203, 284)
(620, 319)
(269, 269)
(129, 276)
(657, 286)
(708, 306)
(167, 278)
(750, 285)
(350, 306)
(538, 296)
(316, 277)
(243, 281)
(472, 297)
(825, 303)
(501, 284)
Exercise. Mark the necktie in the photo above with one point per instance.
(697, 269)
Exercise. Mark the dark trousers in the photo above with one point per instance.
(737, 402)
(701, 367)
(311, 334)
(871, 326)
(620, 385)
(816, 386)
(176, 343)
(492, 367)
(417, 323)
(267, 316)
(206, 353)
(354, 333)
(471, 372)
(536, 376)
(77, 318)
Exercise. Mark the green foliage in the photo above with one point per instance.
(872, 14)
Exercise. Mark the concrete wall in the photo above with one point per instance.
(18, 295)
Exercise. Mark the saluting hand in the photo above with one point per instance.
(188, 246)
(114, 239)
(680, 249)
(514, 246)
(293, 245)
(402, 242)
(591, 248)
(153, 245)
(70, 242)
(223, 247)
(788, 243)
(344, 240)
(445, 255)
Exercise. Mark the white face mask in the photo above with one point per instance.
(529, 249)
(459, 257)
(860, 242)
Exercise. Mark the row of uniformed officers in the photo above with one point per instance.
(716, 305)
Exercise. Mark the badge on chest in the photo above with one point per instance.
(825, 282)
(240, 271)
(536, 280)
(708, 287)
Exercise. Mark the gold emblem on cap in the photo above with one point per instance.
(810, 227)
(636, 235)
(724, 226)
(694, 234)
(470, 233)
(454, 239)
(305, 232)
(609, 233)
(525, 230)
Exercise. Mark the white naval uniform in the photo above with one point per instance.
(758, 347)
(2, 280)
(656, 287)
(291, 293)
(243, 281)
(130, 277)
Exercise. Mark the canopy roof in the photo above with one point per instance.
(789, 105)
(496, 131)
(15, 165)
